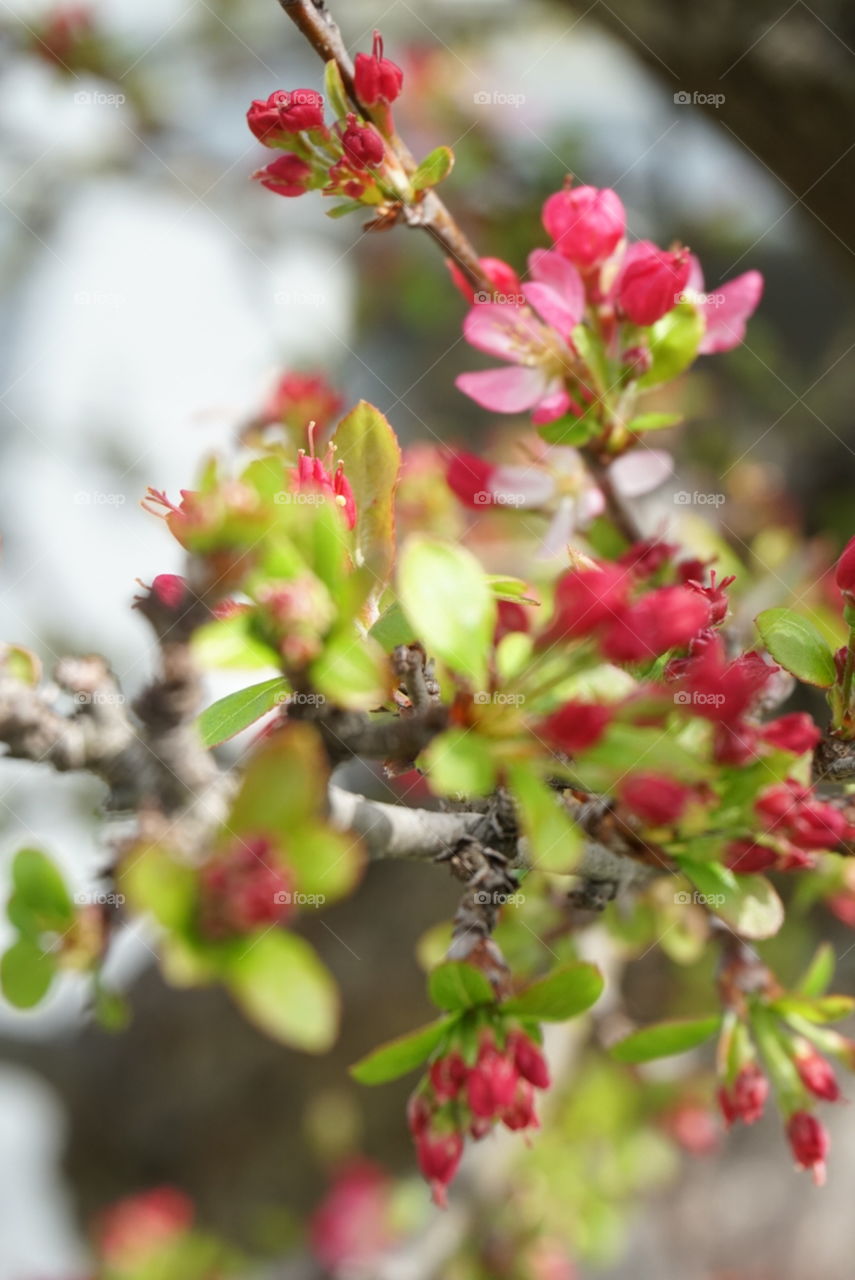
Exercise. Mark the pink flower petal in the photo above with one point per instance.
(504, 390)
(522, 486)
(641, 470)
(727, 310)
(501, 331)
(695, 283)
(554, 404)
(557, 293)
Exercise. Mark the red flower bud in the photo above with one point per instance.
(362, 144)
(576, 726)
(243, 889)
(448, 1075)
(810, 1143)
(377, 79)
(816, 1074)
(287, 175)
(795, 732)
(419, 1112)
(492, 1084)
(502, 277)
(439, 1156)
(845, 573)
(300, 398)
(521, 1113)
(747, 1096)
(586, 598)
(654, 798)
(170, 589)
(284, 113)
(667, 618)
(651, 281)
(745, 857)
(586, 223)
(528, 1059)
(141, 1224)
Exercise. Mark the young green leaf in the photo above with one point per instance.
(26, 972)
(664, 1039)
(674, 342)
(448, 601)
(820, 1010)
(282, 987)
(562, 994)
(458, 986)
(819, 972)
(654, 422)
(459, 761)
(795, 642)
(400, 1056)
(40, 899)
(554, 840)
(237, 711)
(353, 672)
(369, 449)
(433, 169)
(748, 904)
(334, 90)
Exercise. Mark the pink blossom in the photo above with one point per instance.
(586, 223)
(651, 281)
(727, 310)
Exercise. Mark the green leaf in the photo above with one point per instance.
(674, 342)
(284, 785)
(748, 904)
(664, 1039)
(458, 986)
(327, 863)
(334, 90)
(369, 449)
(554, 840)
(433, 169)
(571, 430)
(26, 972)
(819, 972)
(562, 994)
(285, 990)
(230, 642)
(459, 760)
(514, 589)
(590, 348)
(352, 672)
(155, 882)
(448, 601)
(20, 664)
(237, 711)
(400, 1056)
(392, 629)
(796, 644)
(341, 210)
(822, 1009)
(654, 422)
(40, 899)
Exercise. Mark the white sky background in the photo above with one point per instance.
(142, 324)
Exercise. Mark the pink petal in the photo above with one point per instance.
(695, 283)
(727, 310)
(504, 390)
(561, 527)
(557, 292)
(522, 486)
(641, 470)
(500, 330)
(554, 405)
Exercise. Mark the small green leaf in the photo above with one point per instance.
(237, 711)
(819, 972)
(40, 899)
(341, 210)
(664, 1039)
(822, 1009)
(352, 672)
(459, 760)
(590, 348)
(571, 430)
(674, 342)
(282, 987)
(26, 972)
(369, 449)
(448, 601)
(230, 642)
(458, 986)
(334, 90)
(554, 840)
(155, 882)
(796, 644)
(327, 863)
(400, 1056)
(433, 169)
(654, 422)
(748, 904)
(392, 629)
(284, 784)
(514, 589)
(20, 664)
(562, 994)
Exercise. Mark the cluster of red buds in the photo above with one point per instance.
(460, 1097)
(246, 887)
(321, 476)
(350, 159)
(795, 827)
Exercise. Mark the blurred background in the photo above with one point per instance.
(152, 294)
